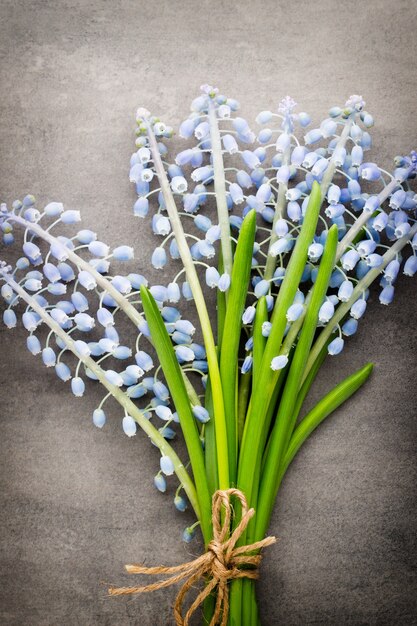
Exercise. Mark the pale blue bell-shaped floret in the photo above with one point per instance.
(22, 263)
(160, 390)
(350, 327)
(236, 193)
(84, 322)
(283, 142)
(205, 249)
(180, 503)
(374, 260)
(188, 534)
(122, 284)
(105, 317)
(266, 329)
(264, 193)
(247, 365)
(9, 318)
(123, 253)
(336, 346)
(304, 119)
(129, 426)
(315, 250)
(161, 225)
(202, 174)
(83, 349)
(350, 259)
(212, 277)
(372, 204)
(134, 372)
(224, 110)
(202, 130)
(283, 174)
(107, 345)
(184, 157)
(201, 414)
(79, 301)
(335, 112)
(248, 315)
(99, 418)
(249, 344)
(159, 258)
(86, 280)
(163, 412)
(77, 386)
(356, 132)
(319, 167)
(357, 156)
(184, 354)
(57, 289)
(186, 128)
(135, 173)
(264, 136)
(202, 222)
(261, 288)
(250, 159)
(170, 314)
(98, 248)
(31, 250)
(160, 482)
(224, 282)
(410, 266)
(339, 156)
(113, 377)
(280, 246)
(243, 179)
(263, 117)
(70, 217)
(326, 311)
(294, 312)
(141, 207)
(173, 292)
(33, 344)
(334, 211)
(240, 125)
(333, 194)
(186, 291)
(59, 316)
(48, 357)
(63, 371)
(51, 272)
(29, 321)
(354, 189)
(397, 199)
(369, 171)
(185, 326)
(66, 271)
(328, 128)
(214, 233)
(166, 465)
(391, 270)
(293, 194)
(402, 229)
(313, 136)
(173, 249)
(179, 184)
(53, 208)
(358, 308)
(59, 251)
(32, 284)
(281, 227)
(144, 155)
(159, 292)
(122, 352)
(366, 247)
(345, 291)
(279, 362)
(167, 432)
(230, 144)
(387, 295)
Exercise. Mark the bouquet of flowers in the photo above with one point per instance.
(288, 235)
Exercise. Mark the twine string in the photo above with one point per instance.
(221, 563)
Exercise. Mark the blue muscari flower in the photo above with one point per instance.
(334, 211)
(82, 348)
(283, 142)
(369, 171)
(313, 136)
(213, 233)
(99, 418)
(247, 365)
(32, 284)
(280, 246)
(66, 272)
(350, 259)
(129, 426)
(170, 314)
(179, 184)
(105, 317)
(86, 280)
(333, 194)
(362, 269)
(350, 327)
(29, 321)
(250, 159)
(160, 482)
(410, 266)
(184, 354)
(122, 284)
(159, 389)
(77, 386)
(186, 291)
(387, 295)
(98, 248)
(319, 167)
(304, 119)
(188, 534)
(402, 229)
(167, 432)
(51, 272)
(243, 179)
(184, 326)
(79, 301)
(345, 291)
(137, 280)
(366, 247)
(159, 292)
(294, 312)
(236, 193)
(201, 414)
(113, 377)
(264, 136)
(84, 322)
(107, 300)
(70, 217)
(53, 208)
(9, 318)
(48, 357)
(264, 117)
(163, 412)
(33, 344)
(358, 308)
(266, 329)
(122, 352)
(166, 465)
(202, 365)
(141, 207)
(180, 338)
(180, 503)
(159, 258)
(59, 316)
(335, 346)
(357, 156)
(283, 174)
(315, 251)
(326, 312)
(63, 371)
(354, 189)
(224, 282)
(32, 251)
(281, 227)
(136, 391)
(279, 362)
(206, 249)
(123, 253)
(328, 128)
(201, 174)
(374, 260)
(161, 224)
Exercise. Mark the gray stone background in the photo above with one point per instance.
(78, 503)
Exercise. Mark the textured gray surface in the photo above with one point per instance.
(76, 504)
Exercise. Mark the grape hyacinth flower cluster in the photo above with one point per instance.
(287, 226)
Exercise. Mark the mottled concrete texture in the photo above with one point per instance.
(76, 503)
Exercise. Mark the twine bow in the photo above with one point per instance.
(222, 562)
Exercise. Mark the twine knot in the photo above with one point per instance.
(222, 562)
